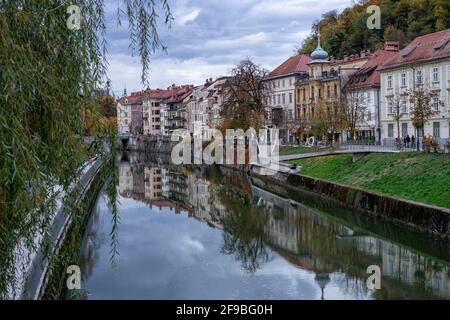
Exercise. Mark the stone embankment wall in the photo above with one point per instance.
(151, 144)
(423, 217)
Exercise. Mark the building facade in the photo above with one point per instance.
(362, 96)
(423, 65)
(129, 114)
(318, 93)
(152, 110)
(282, 100)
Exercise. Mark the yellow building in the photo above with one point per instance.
(318, 92)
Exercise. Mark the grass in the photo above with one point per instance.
(423, 177)
(288, 150)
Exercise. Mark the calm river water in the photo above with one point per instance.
(185, 234)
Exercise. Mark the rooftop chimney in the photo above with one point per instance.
(393, 46)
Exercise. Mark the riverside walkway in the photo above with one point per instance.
(345, 149)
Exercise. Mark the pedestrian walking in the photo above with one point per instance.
(413, 142)
(408, 141)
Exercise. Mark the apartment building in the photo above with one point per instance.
(424, 64)
(362, 95)
(129, 114)
(151, 109)
(282, 100)
(320, 87)
(173, 109)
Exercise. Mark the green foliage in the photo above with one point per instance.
(47, 78)
(420, 177)
(403, 20)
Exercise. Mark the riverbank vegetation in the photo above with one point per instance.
(421, 177)
(52, 63)
(402, 20)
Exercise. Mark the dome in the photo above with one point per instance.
(319, 54)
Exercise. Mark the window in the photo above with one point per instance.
(419, 77)
(436, 103)
(283, 83)
(390, 109)
(290, 97)
(290, 81)
(390, 130)
(274, 100)
(284, 98)
(436, 129)
(369, 116)
(389, 82)
(290, 114)
(403, 80)
(278, 83)
(404, 106)
(404, 129)
(435, 74)
(279, 99)
(448, 72)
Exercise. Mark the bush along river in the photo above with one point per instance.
(204, 233)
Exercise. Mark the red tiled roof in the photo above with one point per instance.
(134, 98)
(368, 75)
(179, 94)
(298, 63)
(158, 93)
(424, 48)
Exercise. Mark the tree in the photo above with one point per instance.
(245, 95)
(402, 20)
(354, 111)
(423, 106)
(48, 75)
(328, 119)
(396, 100)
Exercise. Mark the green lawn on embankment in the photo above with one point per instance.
(423, 177)
(288, 150)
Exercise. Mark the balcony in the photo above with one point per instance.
(176, 118)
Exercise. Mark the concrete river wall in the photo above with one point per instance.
(422, 217)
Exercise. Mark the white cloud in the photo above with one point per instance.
(209, 37)
(183, 20)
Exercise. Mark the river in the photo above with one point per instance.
(183, 233)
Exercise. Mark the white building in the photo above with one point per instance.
(282, 100)
(123, 116)
(362, 92)
(424, 63)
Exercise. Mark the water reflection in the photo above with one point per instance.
(247, 243)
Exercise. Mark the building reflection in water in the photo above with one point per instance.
(301, 235)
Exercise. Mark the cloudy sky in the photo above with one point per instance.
(208, 37)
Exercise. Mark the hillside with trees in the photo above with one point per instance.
(401, 20)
